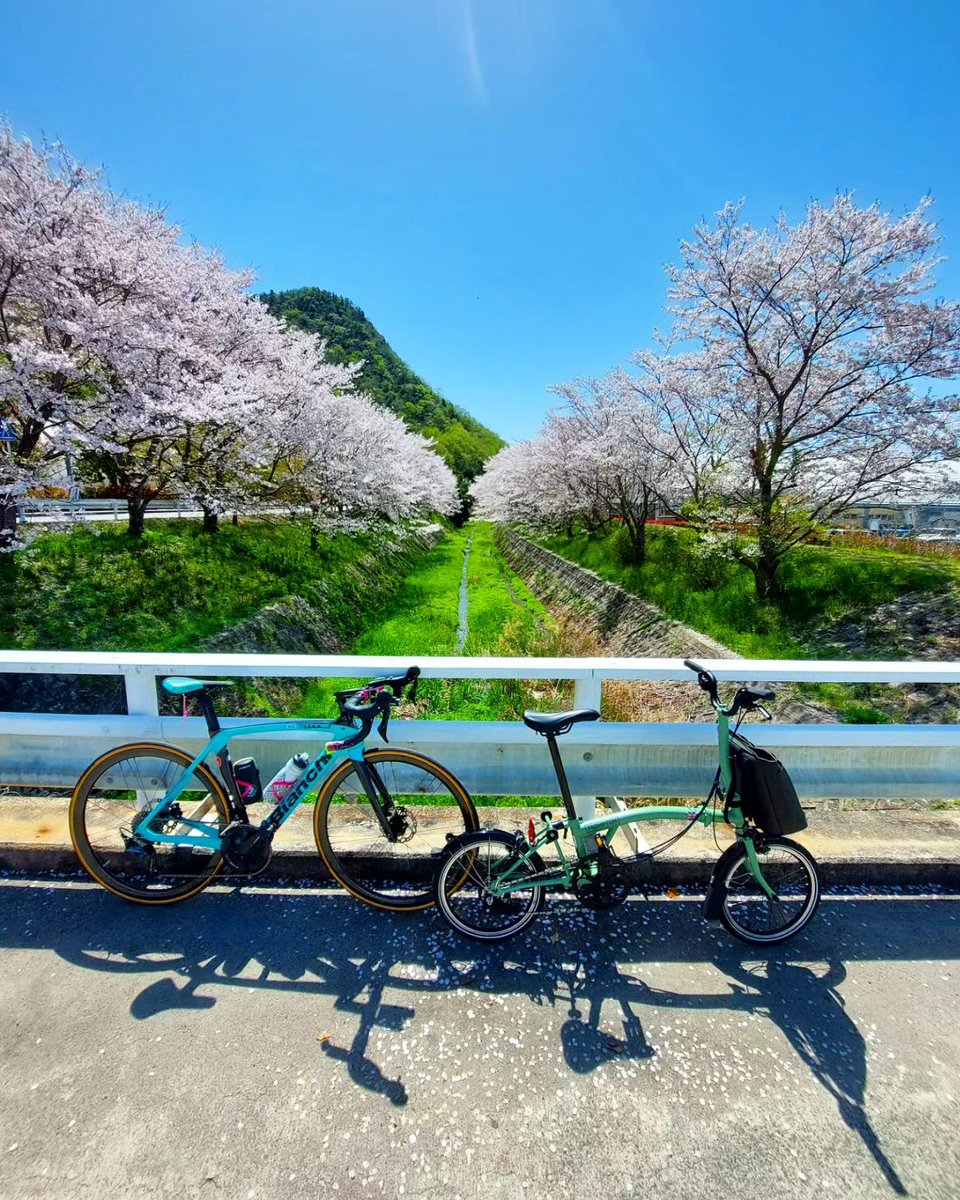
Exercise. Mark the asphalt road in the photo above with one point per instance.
(290, 1043)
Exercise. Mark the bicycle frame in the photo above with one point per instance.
(589, 835)
(323, 764)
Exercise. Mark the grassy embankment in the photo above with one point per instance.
(99, 590)
(96, 589)
(820, 585)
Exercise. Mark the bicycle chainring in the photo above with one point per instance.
(608, 888)
(246, 848)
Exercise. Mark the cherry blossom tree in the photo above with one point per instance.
(150, 360)
(598, 458)
(332, 450)
(813, 347)
(616, 452)
(50, 208)
(528, 483)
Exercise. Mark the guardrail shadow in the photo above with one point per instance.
(376, 966)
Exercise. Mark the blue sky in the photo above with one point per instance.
(497, 183)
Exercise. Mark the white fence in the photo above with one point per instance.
(506, 758)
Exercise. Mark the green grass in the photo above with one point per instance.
(421, 617)
(819, 585)
(89, 590)
(504, 618)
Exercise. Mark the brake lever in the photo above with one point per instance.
(767, 716)
(382, 726)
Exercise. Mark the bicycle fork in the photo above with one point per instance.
(717, 889)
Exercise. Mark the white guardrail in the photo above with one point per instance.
(34, 510)
(37, 506)
(506, 758)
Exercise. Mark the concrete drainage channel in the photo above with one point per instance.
(463, 608)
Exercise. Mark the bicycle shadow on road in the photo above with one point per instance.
(377, 967)
(804, 1003)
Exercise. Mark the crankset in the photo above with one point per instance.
(246, 848)
(608, 887)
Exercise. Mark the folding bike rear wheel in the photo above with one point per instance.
(462, 888)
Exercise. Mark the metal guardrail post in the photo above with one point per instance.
(586, 694)
(141, 691)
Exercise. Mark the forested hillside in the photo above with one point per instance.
(350, 336)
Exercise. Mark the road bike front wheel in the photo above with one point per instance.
(422, 804)
(109, 806)
(462, 888)
(753, 916)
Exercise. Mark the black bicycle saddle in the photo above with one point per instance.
(553, 724)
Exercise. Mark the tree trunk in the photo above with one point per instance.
(635, 523)
(136, 508)
(769, 553)
(8, 522)
(637, 531)
(211, 520)
(765, 580)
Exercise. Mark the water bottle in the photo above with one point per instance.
(285, 778)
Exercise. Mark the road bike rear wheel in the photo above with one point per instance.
(109, 805)
(749, 913)
(424, 805)
(462, 889)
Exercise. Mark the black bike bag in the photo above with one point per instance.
(766, 792)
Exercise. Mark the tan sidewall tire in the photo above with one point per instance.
(466, 809)
(78, 833)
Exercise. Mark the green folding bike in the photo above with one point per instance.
(491, 884)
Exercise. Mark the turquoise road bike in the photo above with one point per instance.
(154, 824)
(764, 888)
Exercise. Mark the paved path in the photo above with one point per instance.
(289, 1043)
(881, 847)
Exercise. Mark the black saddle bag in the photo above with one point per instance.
(767, 795)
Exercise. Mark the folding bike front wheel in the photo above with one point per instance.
(748, 912)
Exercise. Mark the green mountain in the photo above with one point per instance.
(461, 440)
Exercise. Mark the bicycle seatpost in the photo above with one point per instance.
(561, 777)
(208, 712)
